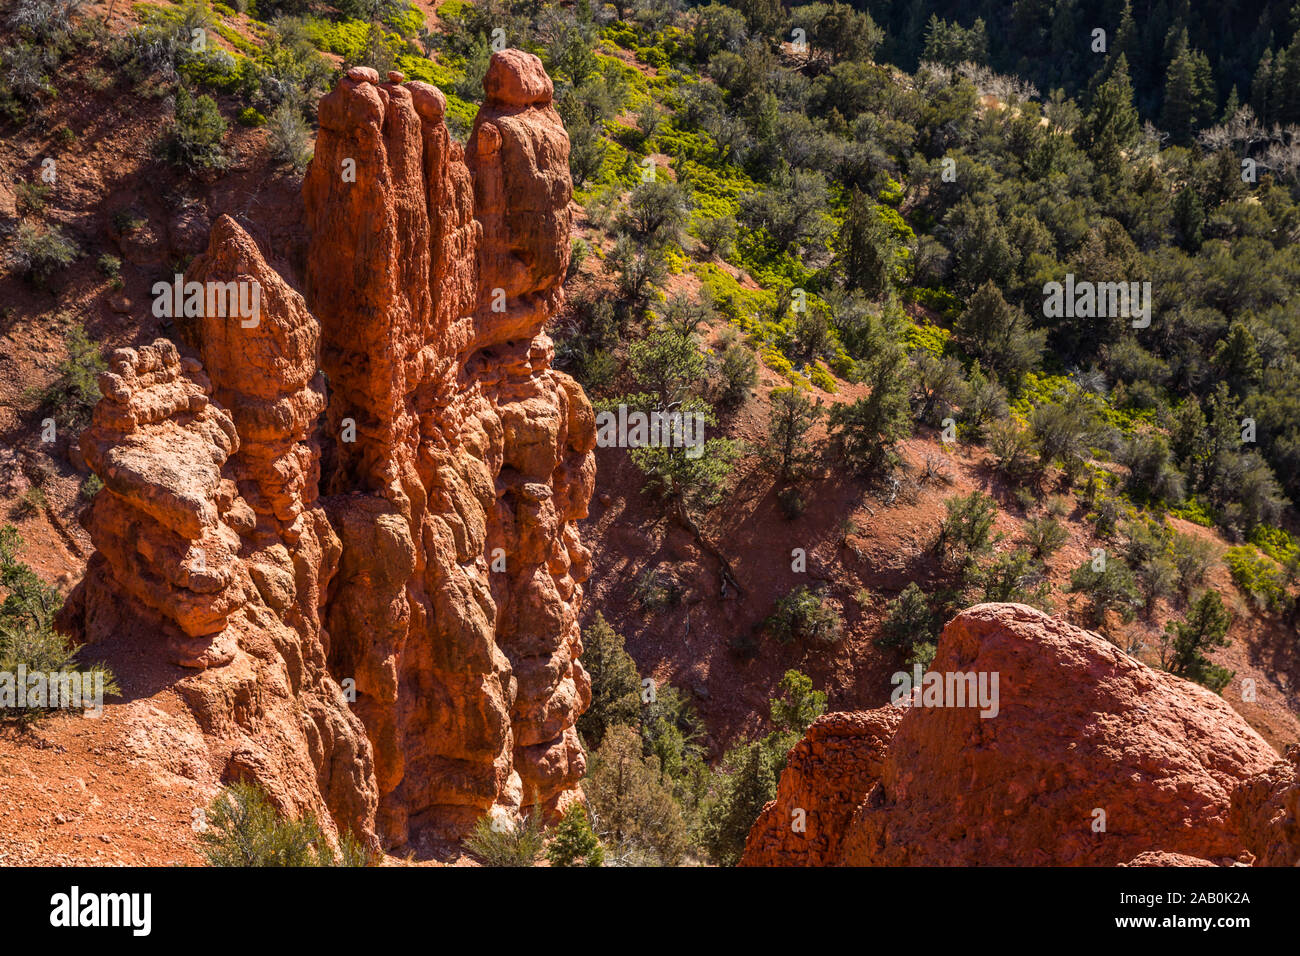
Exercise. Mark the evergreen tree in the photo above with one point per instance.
(1189, 96)
(868, 252)
(615, 683)
(633, 810)
(791, 418)
(1205, 628)
(575, 843)
(868, 429)
(998, 334)
(1111, 124)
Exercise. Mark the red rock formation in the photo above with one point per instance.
(431, 556)
(1080, 726)
(1266, 812)
(211, 546)
(456, 606)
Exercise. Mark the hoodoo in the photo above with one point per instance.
(374, 487)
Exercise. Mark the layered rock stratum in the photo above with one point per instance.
(353, 520)
(1092, 758)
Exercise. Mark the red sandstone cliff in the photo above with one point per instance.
(1080, 727)
(375, 487)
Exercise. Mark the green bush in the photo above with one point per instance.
(289, 136)
(806, 616)
(1258, 577)
(27, 635)
(193, 139)
(38, 251)
(911, 625)
(1112, 588)
(1045, 535)
(966, 532)
(497, 842)
(657, 590)
(574, 842)
(72, 395)
(1205, 628)
(250, 117)
(242, 828)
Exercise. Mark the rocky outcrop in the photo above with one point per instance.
(376, 487)
(456, 606)
(1266, 812)
(1092, 758)
(212, 550)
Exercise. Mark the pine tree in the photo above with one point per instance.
(1205, 628)
(1112, 122)
(575, 843)
(792, 416)
(999, 335)
(615, 683)
(1189, 96)
(1262, 100)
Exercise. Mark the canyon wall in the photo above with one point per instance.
(1092, 758)
(354, 517)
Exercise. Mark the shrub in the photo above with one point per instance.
(791, 418)
(1205, 628)
(797, 706)
(575, 843)
(791, 501)
(737, 371)
(717, 234)
(250, 117)
(632, 809)
(75, 389)
(1016, 577)
(27, 635)
(193, 139)
(656, 590)
(1258, 576)
(39, 251)
(806, 616)
(656, 212)
(1045, 535)
(242, 828)
(966, 532)
(1192, 557)
(32, 502)
(30, 197)
(910, 624)
(497, 842)
(1012, 448)
(289, 136)
(1111, 588)
(110, 265)
(91, 486)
